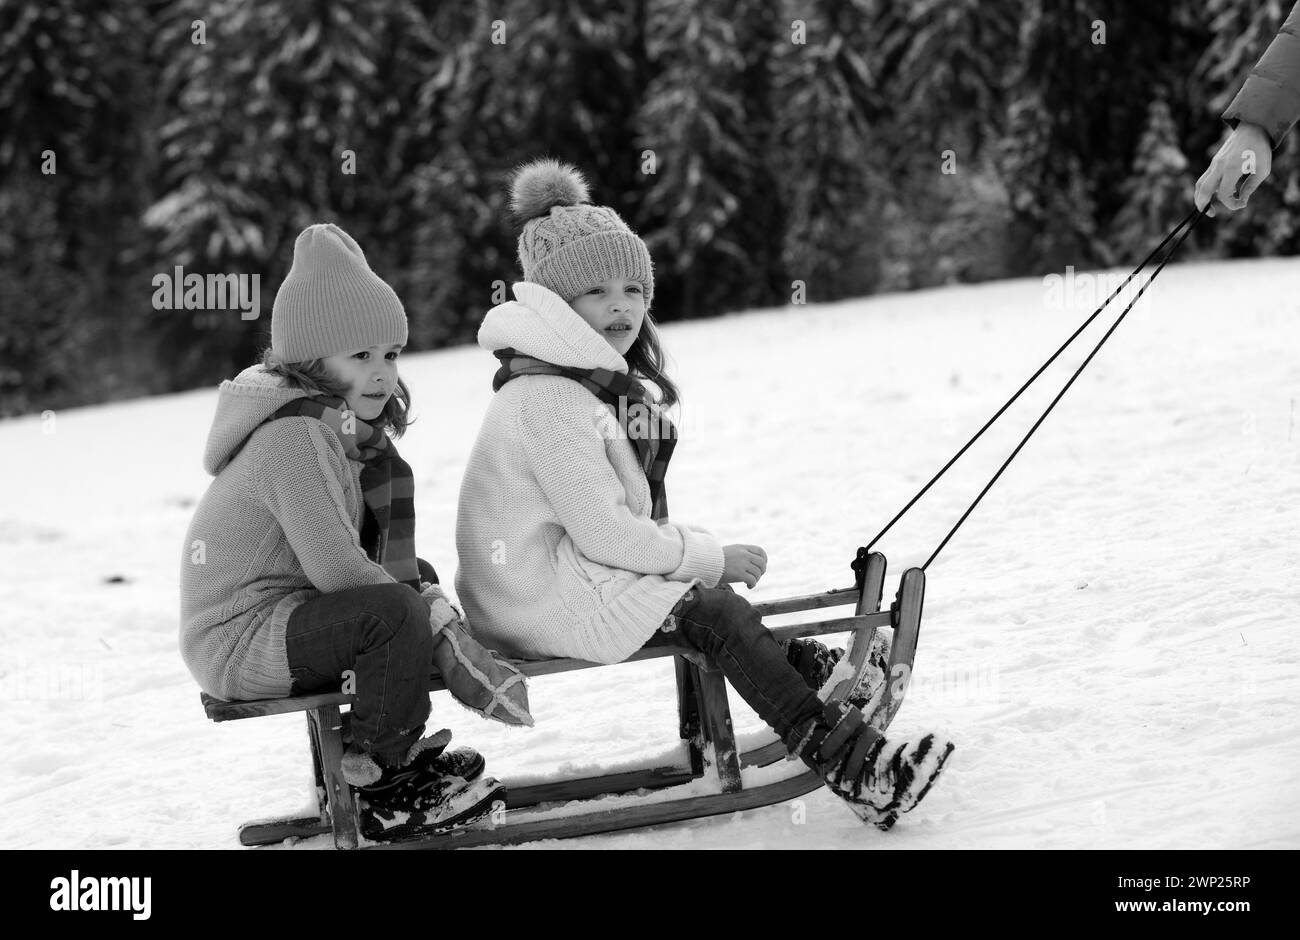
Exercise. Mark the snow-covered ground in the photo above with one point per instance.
(1112, 639)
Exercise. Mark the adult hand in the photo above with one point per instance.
(1242, 163)
(743, 563)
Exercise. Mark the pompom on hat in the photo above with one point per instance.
(331, 302)
(567, 244)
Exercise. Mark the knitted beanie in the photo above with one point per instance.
(331, 302)
(567, 244)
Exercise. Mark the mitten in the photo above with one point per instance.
(479, 678)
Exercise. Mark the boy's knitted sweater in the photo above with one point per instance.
(558, 553)
(277, 526)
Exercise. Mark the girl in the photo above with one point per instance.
(562, 532)
(300, 561)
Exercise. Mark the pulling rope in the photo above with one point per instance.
(1184, 227)
(1194, 217)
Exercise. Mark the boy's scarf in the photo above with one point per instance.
(651, 432)
(387, 484)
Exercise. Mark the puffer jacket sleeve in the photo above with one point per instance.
(298, 473)
(1271, 95)
(558, 430)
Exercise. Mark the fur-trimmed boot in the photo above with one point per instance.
(879, 779)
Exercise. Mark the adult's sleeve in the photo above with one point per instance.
(298, 474)
(1271, 95)
(558, 425)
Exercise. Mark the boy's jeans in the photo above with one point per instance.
(722, 624)
(381, 632)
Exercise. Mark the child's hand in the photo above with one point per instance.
(743, 563)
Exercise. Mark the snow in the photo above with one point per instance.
(1110, 639)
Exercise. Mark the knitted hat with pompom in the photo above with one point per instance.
(567, 244)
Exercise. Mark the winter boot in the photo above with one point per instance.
(432, 791)
(813, 659)
(879, 779)
(425, 803)
(464, 762)
(821, 670)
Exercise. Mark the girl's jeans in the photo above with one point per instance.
(721, 624)
(381, 633)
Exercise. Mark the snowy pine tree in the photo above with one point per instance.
(267, 102)
(1241, 30)
(943, 70)
(945, 66)
(692, 135)
(830, 162)
(501, 84)
(1156, 189)
(74, 165)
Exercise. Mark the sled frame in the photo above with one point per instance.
(704, 723)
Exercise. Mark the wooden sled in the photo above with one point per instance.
(642, 797)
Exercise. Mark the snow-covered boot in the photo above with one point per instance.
(824, 668)
(813, 659)
(877, 778)
(431, 793)
(460, 762)
(432, 790)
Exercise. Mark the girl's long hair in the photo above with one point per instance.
(311, 375)
(646, 360)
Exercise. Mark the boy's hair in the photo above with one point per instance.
(311, 375)
(646, 360)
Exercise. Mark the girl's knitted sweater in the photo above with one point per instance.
(277, 526)
(558, 553)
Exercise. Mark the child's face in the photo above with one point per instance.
(615, 310)
(370, 375)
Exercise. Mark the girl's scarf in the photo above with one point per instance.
(639, 417)
(387, 484)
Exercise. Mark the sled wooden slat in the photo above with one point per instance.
(789, 605)
(518, 797)
(688, 713)
(220, 710)
(911, 598)
(652, 778)
(322, 792)
(860, 645)
(715, 720)
(327, 724)
(837, 625)
(594, 822)
(272, 832)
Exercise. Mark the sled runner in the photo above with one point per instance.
(628, 799)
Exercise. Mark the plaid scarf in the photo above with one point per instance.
(652, 434)
(387, 484)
